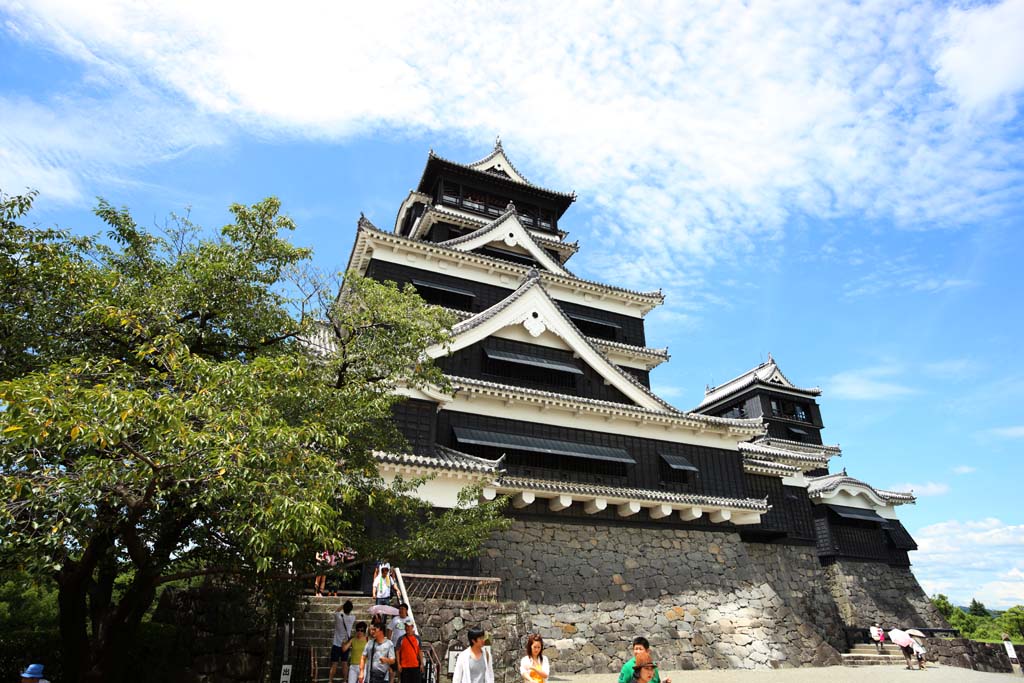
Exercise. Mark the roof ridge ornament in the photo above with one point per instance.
(497, 143)
(511, 206)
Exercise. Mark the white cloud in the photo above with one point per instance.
(981, 60)
(699, 128)
(1015, 432)
(973, 559)
(930, 488)
(897, 275)
(955, 368)
(964, 469)
(868, 384)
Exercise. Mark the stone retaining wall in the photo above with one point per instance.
(866, 592)
(968, 654)
(703, 599)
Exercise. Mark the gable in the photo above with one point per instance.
(532, 309)
(498, 164)
(507, 233)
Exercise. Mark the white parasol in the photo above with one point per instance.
(386, 610)
(901, 638)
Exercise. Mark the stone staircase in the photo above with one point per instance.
(314, 627)
(865, 654)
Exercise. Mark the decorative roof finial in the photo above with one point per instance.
(511, 206)
(497, 142)
(770, 359)
(362, 216)
(533, 274)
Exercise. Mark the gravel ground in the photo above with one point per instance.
(831, 674)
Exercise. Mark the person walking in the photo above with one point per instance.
(344, 622)
(641, 646)
(383, 585)
(355, 648)
(473, 665)
(411, 662)
(534, 667)
(878, 637)
(378, 656)
(396, 627)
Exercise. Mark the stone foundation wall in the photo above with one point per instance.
(443, 626)
(866, 592)
(968, 654)
(703, 599)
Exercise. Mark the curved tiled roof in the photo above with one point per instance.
(831, 482)
(365, 225)
(768, 467)
(761, 374)
(695, 418)
(533, 280)
(493, 225)
(571, 196)
(643, 495)
(782, 453)
(442, 458)
(475, 222)
(647, 351)
(789, 445)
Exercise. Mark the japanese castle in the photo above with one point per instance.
(552, 407)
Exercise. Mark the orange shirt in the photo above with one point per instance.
(409, 652)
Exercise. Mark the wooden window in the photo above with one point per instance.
(450, 193)
(445, 295)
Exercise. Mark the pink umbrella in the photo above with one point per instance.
(901, 638)
(386, 610)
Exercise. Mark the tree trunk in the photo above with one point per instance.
(73, 619)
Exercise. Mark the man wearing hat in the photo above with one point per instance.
(411, 661)
(33, 674)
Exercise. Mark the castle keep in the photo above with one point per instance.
(723, 533)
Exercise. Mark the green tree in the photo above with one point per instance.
(944, 606)
(168, 411)
(977, 609)
(1012, 622)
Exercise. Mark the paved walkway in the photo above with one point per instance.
(831, 674)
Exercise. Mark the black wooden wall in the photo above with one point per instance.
(631, 330)
(721, 471)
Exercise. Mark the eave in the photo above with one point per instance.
(437, 165)
(467, 387)
(628, 502)
(368, 237)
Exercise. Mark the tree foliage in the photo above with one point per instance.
(987, 626)
(178, 405)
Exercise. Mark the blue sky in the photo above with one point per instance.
(839, 185)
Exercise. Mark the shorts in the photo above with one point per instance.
(339, 655)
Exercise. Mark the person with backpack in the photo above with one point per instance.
(409, 651)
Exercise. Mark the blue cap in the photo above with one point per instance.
(33, 671)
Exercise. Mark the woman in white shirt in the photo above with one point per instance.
(534, 667)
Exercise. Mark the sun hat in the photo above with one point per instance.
(33, 671)
(643, 659)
